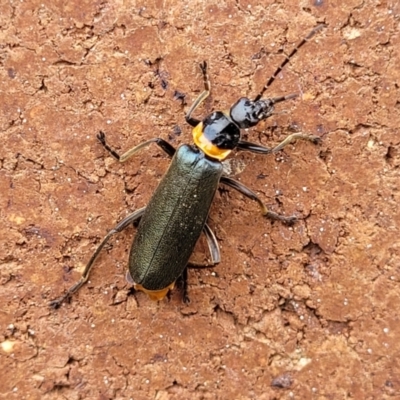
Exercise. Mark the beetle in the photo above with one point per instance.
(176, 215)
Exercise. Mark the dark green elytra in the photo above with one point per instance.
(174, 219)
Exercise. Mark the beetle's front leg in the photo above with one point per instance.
(163, 144)
(259, 149)
(202, 96)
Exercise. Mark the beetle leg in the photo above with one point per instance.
(182, 283)
(253, 147)
(163, 144)
(257, 148)
(251, 195)
(215, 259)
(212, 246)
(202, 96)
(85, 275)
(311, 138)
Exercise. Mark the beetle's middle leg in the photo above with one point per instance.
(85, 275)
(163, 144)
(215, 259)
(251, 195)
(202, 96)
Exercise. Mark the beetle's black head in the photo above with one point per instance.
(247, 113)
(217, 135)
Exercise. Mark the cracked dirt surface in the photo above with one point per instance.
(305, 312)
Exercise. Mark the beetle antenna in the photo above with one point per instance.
(287, 59)
(279, 99)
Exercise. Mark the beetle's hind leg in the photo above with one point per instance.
(215, 259)
(182, 284)
(289, 220)
(202, 96)
(85, 275)
(163, 144)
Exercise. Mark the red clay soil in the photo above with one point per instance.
(302, 312)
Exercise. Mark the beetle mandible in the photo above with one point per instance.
(176, 215)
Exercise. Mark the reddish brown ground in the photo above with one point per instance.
(312, 308)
